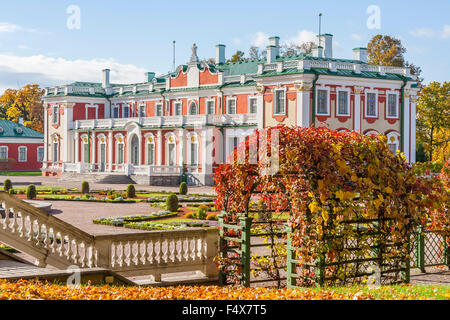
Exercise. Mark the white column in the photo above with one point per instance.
(159, 138)
(180, 147)
(77, 147)
(93, 147)
(207, 151)
(357, 113)
(303, 104)
(413, 100)
(44, 161)
(406, 127)
(260, 109)
(110, 150)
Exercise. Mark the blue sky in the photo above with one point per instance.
(132, 37)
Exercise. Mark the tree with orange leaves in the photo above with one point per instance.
(24, 103)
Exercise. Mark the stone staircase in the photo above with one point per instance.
(56, 243)
(104, 178)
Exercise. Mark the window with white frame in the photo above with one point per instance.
(142, 111)
(3, 153)
(150, 153)
(252, 105)
(210, 106)
(194, 153)
(177, 106)
(343, 103)
(55, 114)
(193, 108)
(40, 154)
(392, 106)
(126, 111)
(280, 102)
(159, 109)
(22, 154)
(231, 106)
(371, 104)
(55, 151)
(322, 102)
(115, 111)
(120, 153)
(86, 151)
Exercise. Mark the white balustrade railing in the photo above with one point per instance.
(54, 242)
(166, 170)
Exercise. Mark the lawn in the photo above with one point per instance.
(15, 290)
(20, 173)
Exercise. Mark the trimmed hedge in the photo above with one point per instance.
(85, 187)
(124, 220)
(131, 191)
(31, 191)
(172, 203)
(7, 184)
(183, 188)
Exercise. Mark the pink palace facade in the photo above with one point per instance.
(188, 121)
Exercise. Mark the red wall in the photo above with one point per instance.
(31, 164)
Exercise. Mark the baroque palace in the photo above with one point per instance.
(186, 122)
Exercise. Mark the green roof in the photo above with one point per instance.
(10, 129)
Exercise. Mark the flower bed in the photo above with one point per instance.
(125, 220)
(176, 225)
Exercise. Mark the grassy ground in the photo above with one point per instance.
(20, 173)
(33, 290)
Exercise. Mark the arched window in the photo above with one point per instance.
(193, 150)
(171, 152)
(193, 108)
(120, 149)
(55, 148)
(85, 148)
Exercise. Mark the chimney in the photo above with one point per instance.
(275, 41)
(271, 54)
(326, 41)
(317, 51)
(105, 81)
(360, 54)
(149, 76)
(220, 53)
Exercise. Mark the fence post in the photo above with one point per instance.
(421, 249)
(291, 265)
(246, 224)
(222, 246)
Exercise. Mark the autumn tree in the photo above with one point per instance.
(255, 53)
(238, 56)
(293, 49)
(433, 120)
(389, 51)
(24, 103)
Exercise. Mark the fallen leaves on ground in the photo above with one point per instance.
(33, 290)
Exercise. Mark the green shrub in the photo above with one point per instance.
(211, 216)
(172, 203)
(183, 188)
(131, 191)
(201, 212)
(84, 187)
(31, 191)
(12, 191)
(7, 184)
(188, 215)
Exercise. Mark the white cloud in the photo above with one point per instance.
(6, 27)
(302, 37)
(356, 37)
(431, 33)
(260, 39)
(49, 71)
(237, 41)
(446, 32)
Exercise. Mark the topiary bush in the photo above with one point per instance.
(7, 184)
(12, 191)
(183, 188)
(202, 212)
(31, 191)
(172, 203)
(131, 191)
(84, 187)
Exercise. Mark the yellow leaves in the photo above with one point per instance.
(325, 215)
(314, 207)
(388, 190)
(343, 167)
(345, 195)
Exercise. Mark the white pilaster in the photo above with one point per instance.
(181, 143)
(260, 107)
(357, 113)
(406, 127)
(413, 100)
(110, 150)
(93, 142)
(303, 103)
(44, 164)
(159, 138)
(207, 146)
